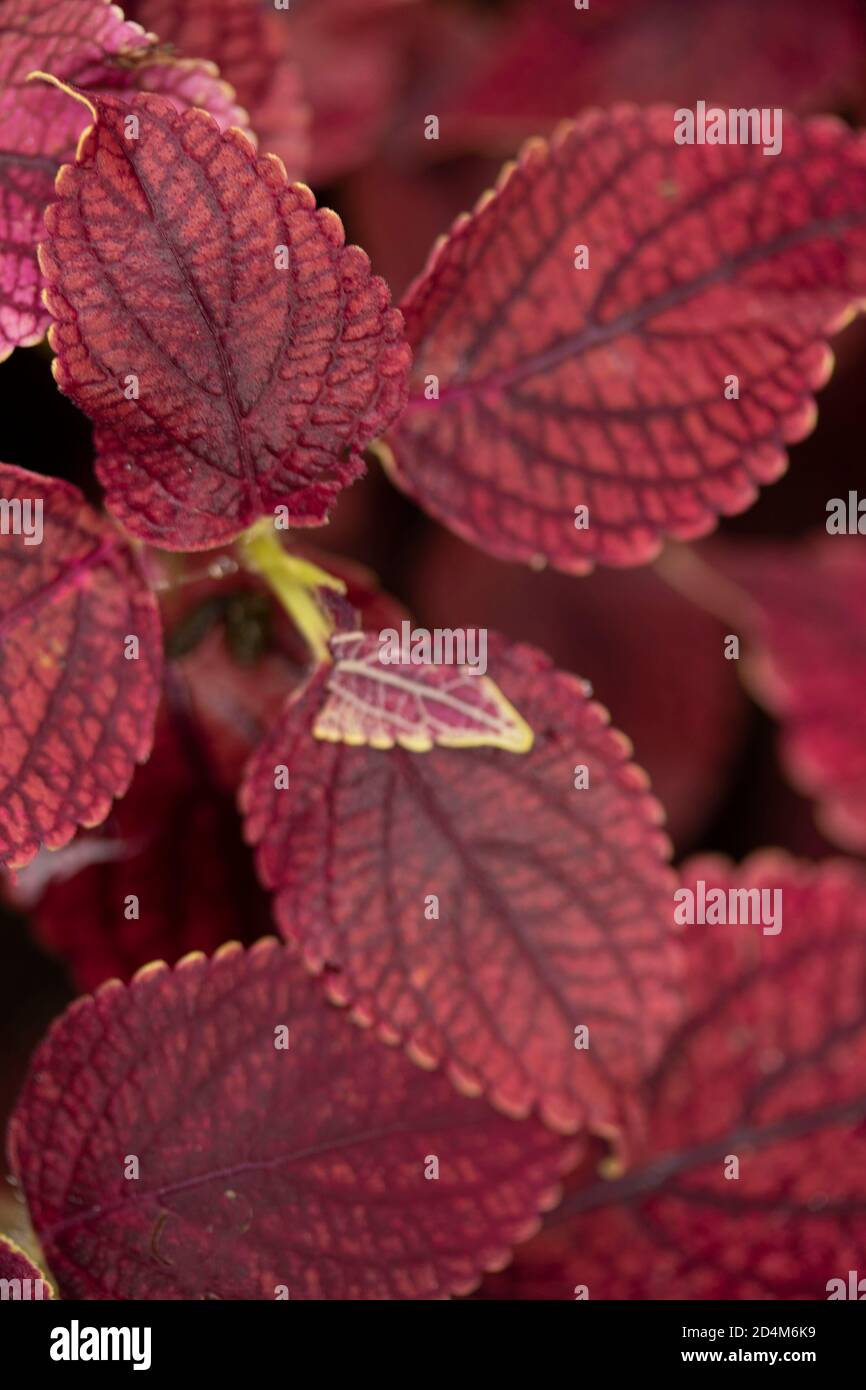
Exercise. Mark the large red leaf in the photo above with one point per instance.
(802, 610)
(605, 387)
(177, 849)
(250, 52)
(553, 903)
(265, 1171)
(258, 386)
(26, 1279)
(76, 712)
(89, 44)
(770, 1068)
(551, 61)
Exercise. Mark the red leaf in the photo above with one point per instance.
(768, 1068)
(604, 387)
(802, 608)
(259, 386)
(250, 52)
(551, 61)
(178, 851)
(89, 44)
(261, 1168)
(16, 1265)
(553, 902)
(416, 707)
(75, 712)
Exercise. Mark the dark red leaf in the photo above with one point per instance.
(553, 902)
(552, 61)
(177, 850)
(87, 43)
(768, 1068)
(26, 1279)
(264, 1171)
(802, 611)
(76, 711)
(604, 387)
(258, 386)
(239, 36)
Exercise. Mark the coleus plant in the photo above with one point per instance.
(471, 866)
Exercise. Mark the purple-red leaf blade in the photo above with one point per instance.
(241, 357)
(630, 326)
(281, 1154)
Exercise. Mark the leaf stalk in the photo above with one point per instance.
(293, 582)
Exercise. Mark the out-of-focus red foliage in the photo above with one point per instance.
(475, 907)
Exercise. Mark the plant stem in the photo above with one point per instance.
(293, 581)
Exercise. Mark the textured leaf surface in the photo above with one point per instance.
(239, 37)
(261, 1166)
(802, 609)
(177, 849)
(87, 43)
(16, 1264)
(604, 387)
(553, 902)
(769, 1067)
(258, 386)
(551, 61)
(411, 706)
(75, 714)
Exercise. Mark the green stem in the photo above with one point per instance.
(293, 581)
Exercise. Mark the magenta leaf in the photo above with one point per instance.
(87, 43)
